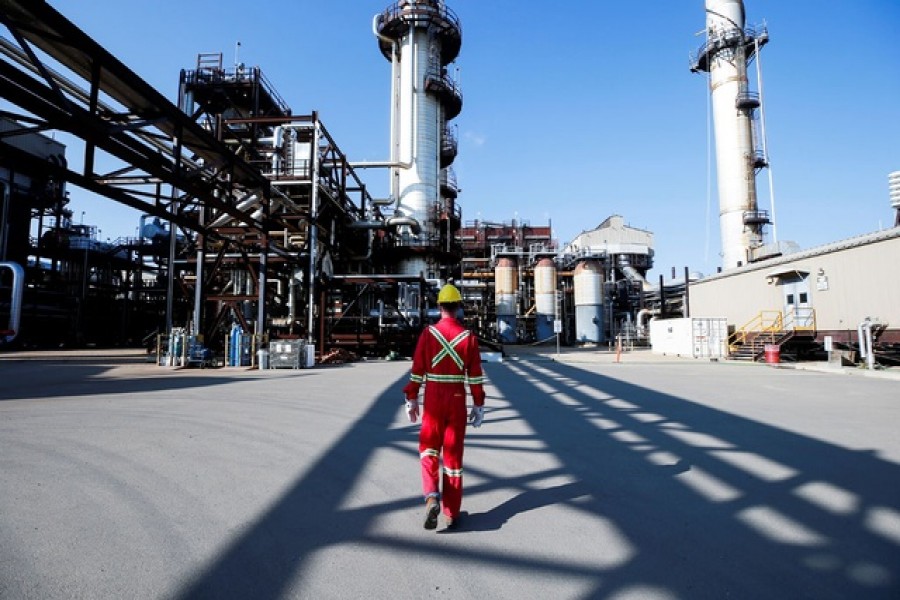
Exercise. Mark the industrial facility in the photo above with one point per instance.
(259, 232)
(260, 244)
(781, 302)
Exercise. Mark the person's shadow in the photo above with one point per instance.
(496, 517)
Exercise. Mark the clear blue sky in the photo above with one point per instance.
(573, 111)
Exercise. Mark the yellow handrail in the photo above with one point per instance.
(766, 321)
(801, 319)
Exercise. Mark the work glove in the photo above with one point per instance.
(412, 409)
(476, 416)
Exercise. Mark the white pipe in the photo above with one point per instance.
(390, 222)
(15, 302)
(866, 347)
(861, 337)
(313, 237)
(277, 143)
(242, 205)
(394, 162)
(641, 326)
(633, 274)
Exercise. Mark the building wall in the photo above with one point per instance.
(848, 281)
(612, 232)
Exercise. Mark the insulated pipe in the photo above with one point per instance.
(394, 162)
(15, 304)
(313, 235)
(277, 143)
(198, 284)
(414, 225)
(242, 205)
(4, 217)
(641, 326)
(263, 283)
(866, 350)
(633, 274)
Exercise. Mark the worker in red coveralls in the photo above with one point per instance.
(446, 358)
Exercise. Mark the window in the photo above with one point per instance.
(790, 299)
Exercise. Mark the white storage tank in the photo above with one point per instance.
(588, 281)
(545, 297)
(506, 282)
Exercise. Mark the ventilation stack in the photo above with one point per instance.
(894, 186)
(421, 38)
(740, 150)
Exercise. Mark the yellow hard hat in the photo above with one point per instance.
(449, 295)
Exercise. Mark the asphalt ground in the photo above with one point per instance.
(651, 477)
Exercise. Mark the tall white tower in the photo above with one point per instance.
(421, 38)
(740, 151)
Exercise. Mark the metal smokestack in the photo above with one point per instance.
(420, 38)
(729, 48)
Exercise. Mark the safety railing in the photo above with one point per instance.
(767, 321)
(800, 318)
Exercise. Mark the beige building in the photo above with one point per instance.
(612, 236)
(829, 290)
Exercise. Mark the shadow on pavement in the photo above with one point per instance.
(714, 505)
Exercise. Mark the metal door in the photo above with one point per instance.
(798, 309)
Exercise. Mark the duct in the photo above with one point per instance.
(15, 302)
(632, 274)
(400, 221)
(277, 143)
(641, 325)
(367, 225)
(242, 205)
(393, 163)
(390, 222)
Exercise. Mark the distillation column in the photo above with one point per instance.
(420, 38)
(739, 150)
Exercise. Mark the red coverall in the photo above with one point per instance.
(446, 358)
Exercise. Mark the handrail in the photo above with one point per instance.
(765, 322)
(769, 325)
(801, 319)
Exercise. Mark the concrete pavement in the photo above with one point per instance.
(650, 477)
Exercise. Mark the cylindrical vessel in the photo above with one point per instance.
(545, 297)
(588, 280)
(506, 283)
(735, 171)
(419, 123)
(420, 38)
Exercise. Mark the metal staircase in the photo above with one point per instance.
(769, 327)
